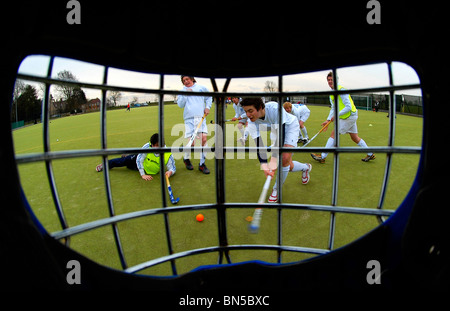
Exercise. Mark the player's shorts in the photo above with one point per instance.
(305, 116)
(191, 124)
(291, 133)
(348, 125)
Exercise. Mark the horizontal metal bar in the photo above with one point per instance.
(215, 94)
(203, 250)
(57, 155)
(155, 211)
(315, 207)
(122, 217)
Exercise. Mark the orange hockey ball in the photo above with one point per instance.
(200, 217)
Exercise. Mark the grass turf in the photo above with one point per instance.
(83, 197)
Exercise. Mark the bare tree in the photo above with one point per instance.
(135, 100)
(114, 97)
(65, 90)
(270, 87)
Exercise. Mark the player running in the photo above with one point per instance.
(146, 163)
(260, 114)
(194, 108)
(348, 114)
(302, 113)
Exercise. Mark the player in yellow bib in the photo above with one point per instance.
(146, 163)
(348, 114)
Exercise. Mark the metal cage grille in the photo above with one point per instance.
(221, 205)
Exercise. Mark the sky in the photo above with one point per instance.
(350, 77)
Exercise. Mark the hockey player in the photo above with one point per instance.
(260, 114)
(302, 113)
(194, 108)
(241, 117)
(147, 163)
(348, 114)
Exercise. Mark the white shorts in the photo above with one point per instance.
(291, 134)
(348, 125)
(305, 116)
(191, 124)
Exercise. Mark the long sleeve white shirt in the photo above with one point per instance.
(194, 106)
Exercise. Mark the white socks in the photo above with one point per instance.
(330, 143)
(304, 132)
(363, 144)
(299, 166)
(284, 173)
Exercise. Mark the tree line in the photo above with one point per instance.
(64, 98)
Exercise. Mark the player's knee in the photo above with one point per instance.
(286, 159)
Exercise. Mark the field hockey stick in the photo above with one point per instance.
(227, 120)
(169, 188)
(321, 130)
(257, 214)
(191, 140)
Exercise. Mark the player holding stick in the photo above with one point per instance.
(258, 114)
(147, 162)
(348, 114)
(194, 108)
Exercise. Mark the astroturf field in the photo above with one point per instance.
(83, 197)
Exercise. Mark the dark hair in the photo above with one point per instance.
(253, 101)
(192, 78)
(154, 139)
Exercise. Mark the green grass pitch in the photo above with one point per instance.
(82, 190)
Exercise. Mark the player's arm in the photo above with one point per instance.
(171, 168)
(140, 163)
(262, 157)
(181, 100)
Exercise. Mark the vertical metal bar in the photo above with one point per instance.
(334, 194)
(106, 173)
(391, 139)
(220, 174)
(46, 143)
(162, 173)
(280, 164)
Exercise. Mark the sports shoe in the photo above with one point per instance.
(188, 164)
(302, 140)
(202, 168)
(273, 196)
(318, 157)
(368, 158)
(99, 167)
(305, 174)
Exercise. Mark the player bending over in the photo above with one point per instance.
(302, 113)
(146, 163)
(348, 114)
(260, 114)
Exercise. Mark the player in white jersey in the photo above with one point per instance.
(302, 113)
(260, 114)
(241, 117)
(194, 108)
